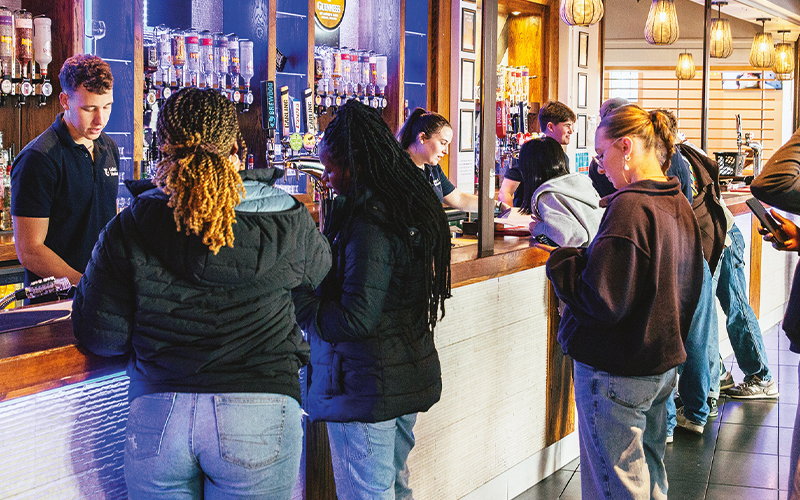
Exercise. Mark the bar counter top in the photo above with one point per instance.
(45, 357)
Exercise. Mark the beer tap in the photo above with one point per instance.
(43, 53)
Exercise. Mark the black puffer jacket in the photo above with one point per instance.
(372, 355)
(198, 322)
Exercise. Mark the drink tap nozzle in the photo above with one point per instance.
(739, 133)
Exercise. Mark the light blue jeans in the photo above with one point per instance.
(622, 433)
(369, 460)
(183, 446)
(699, 374)
(743, 328)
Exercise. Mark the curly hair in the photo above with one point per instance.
(198, 130)
(361, 143)
(87, 71)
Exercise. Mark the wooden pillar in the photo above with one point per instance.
(487, 128)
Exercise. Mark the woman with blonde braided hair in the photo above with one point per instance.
(193, 282)
(371, 322)
(629, 300)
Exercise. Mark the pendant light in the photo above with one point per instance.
(762, 53)
(662, 23)
(581, 12)
(784, 59)
(685, 69)
(721, 39)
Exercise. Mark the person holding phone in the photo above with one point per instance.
(779, 185)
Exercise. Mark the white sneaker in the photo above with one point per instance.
(755, 388)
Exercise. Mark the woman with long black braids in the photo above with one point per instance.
(371, 322)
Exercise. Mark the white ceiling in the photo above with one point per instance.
(750, 10)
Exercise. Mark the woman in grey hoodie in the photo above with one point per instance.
(565, 206)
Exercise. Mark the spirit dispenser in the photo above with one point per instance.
(164, 48)
(220, 61)
(178, 57)
(207, 57)
(382, 79)
(193, 59)
(43, 54)
(6, 53)
(23, 23)
(247, 70)
(233, 67)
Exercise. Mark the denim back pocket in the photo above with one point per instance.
(633, 392)
(147, 421)
(250, 428)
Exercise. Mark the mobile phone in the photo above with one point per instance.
(767, 221)
(544, 240)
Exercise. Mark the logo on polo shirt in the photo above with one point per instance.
(111, 171)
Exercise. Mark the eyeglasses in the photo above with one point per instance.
(599, 158)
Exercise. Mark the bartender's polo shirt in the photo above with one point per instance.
(54, 177)
(439, 182)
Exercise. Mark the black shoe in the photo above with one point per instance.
(726, 381)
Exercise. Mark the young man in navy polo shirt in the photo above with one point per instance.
(64, 182)
(556, 121)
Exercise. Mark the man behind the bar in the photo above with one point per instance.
(64, 182)
(556, 120)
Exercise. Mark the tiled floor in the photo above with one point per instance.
(743, 454)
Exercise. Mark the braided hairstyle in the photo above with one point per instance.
(540, 160)
(360, 142)
(198, 130)
(653, 127)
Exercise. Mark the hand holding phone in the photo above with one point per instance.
(767, 221)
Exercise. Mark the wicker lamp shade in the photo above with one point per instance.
(721, 39)
(685, 69)
(581, 12)
(784, 59)
(762, 52)
(662, 23)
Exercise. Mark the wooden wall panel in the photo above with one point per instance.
(526, 48)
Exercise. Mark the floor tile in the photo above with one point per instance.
(785, 442)
(727, 492)
(771, 341)
(748, 439)
(774, 357)
(788, 395)
(788, 357)
(783, 495)
(745, 469)
(783, 473)
(737, 411)
(786, 415)
(785, 374)
(686, 490)
(573, 489)
(548, 488)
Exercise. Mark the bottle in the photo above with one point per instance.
(6, 42)
(3, 164)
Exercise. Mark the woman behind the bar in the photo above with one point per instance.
(371, 322)
(565, 207)
(426, 136)
(193, 282)
(629, 297)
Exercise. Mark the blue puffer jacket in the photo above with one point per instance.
(193, 321)
(372, 355)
